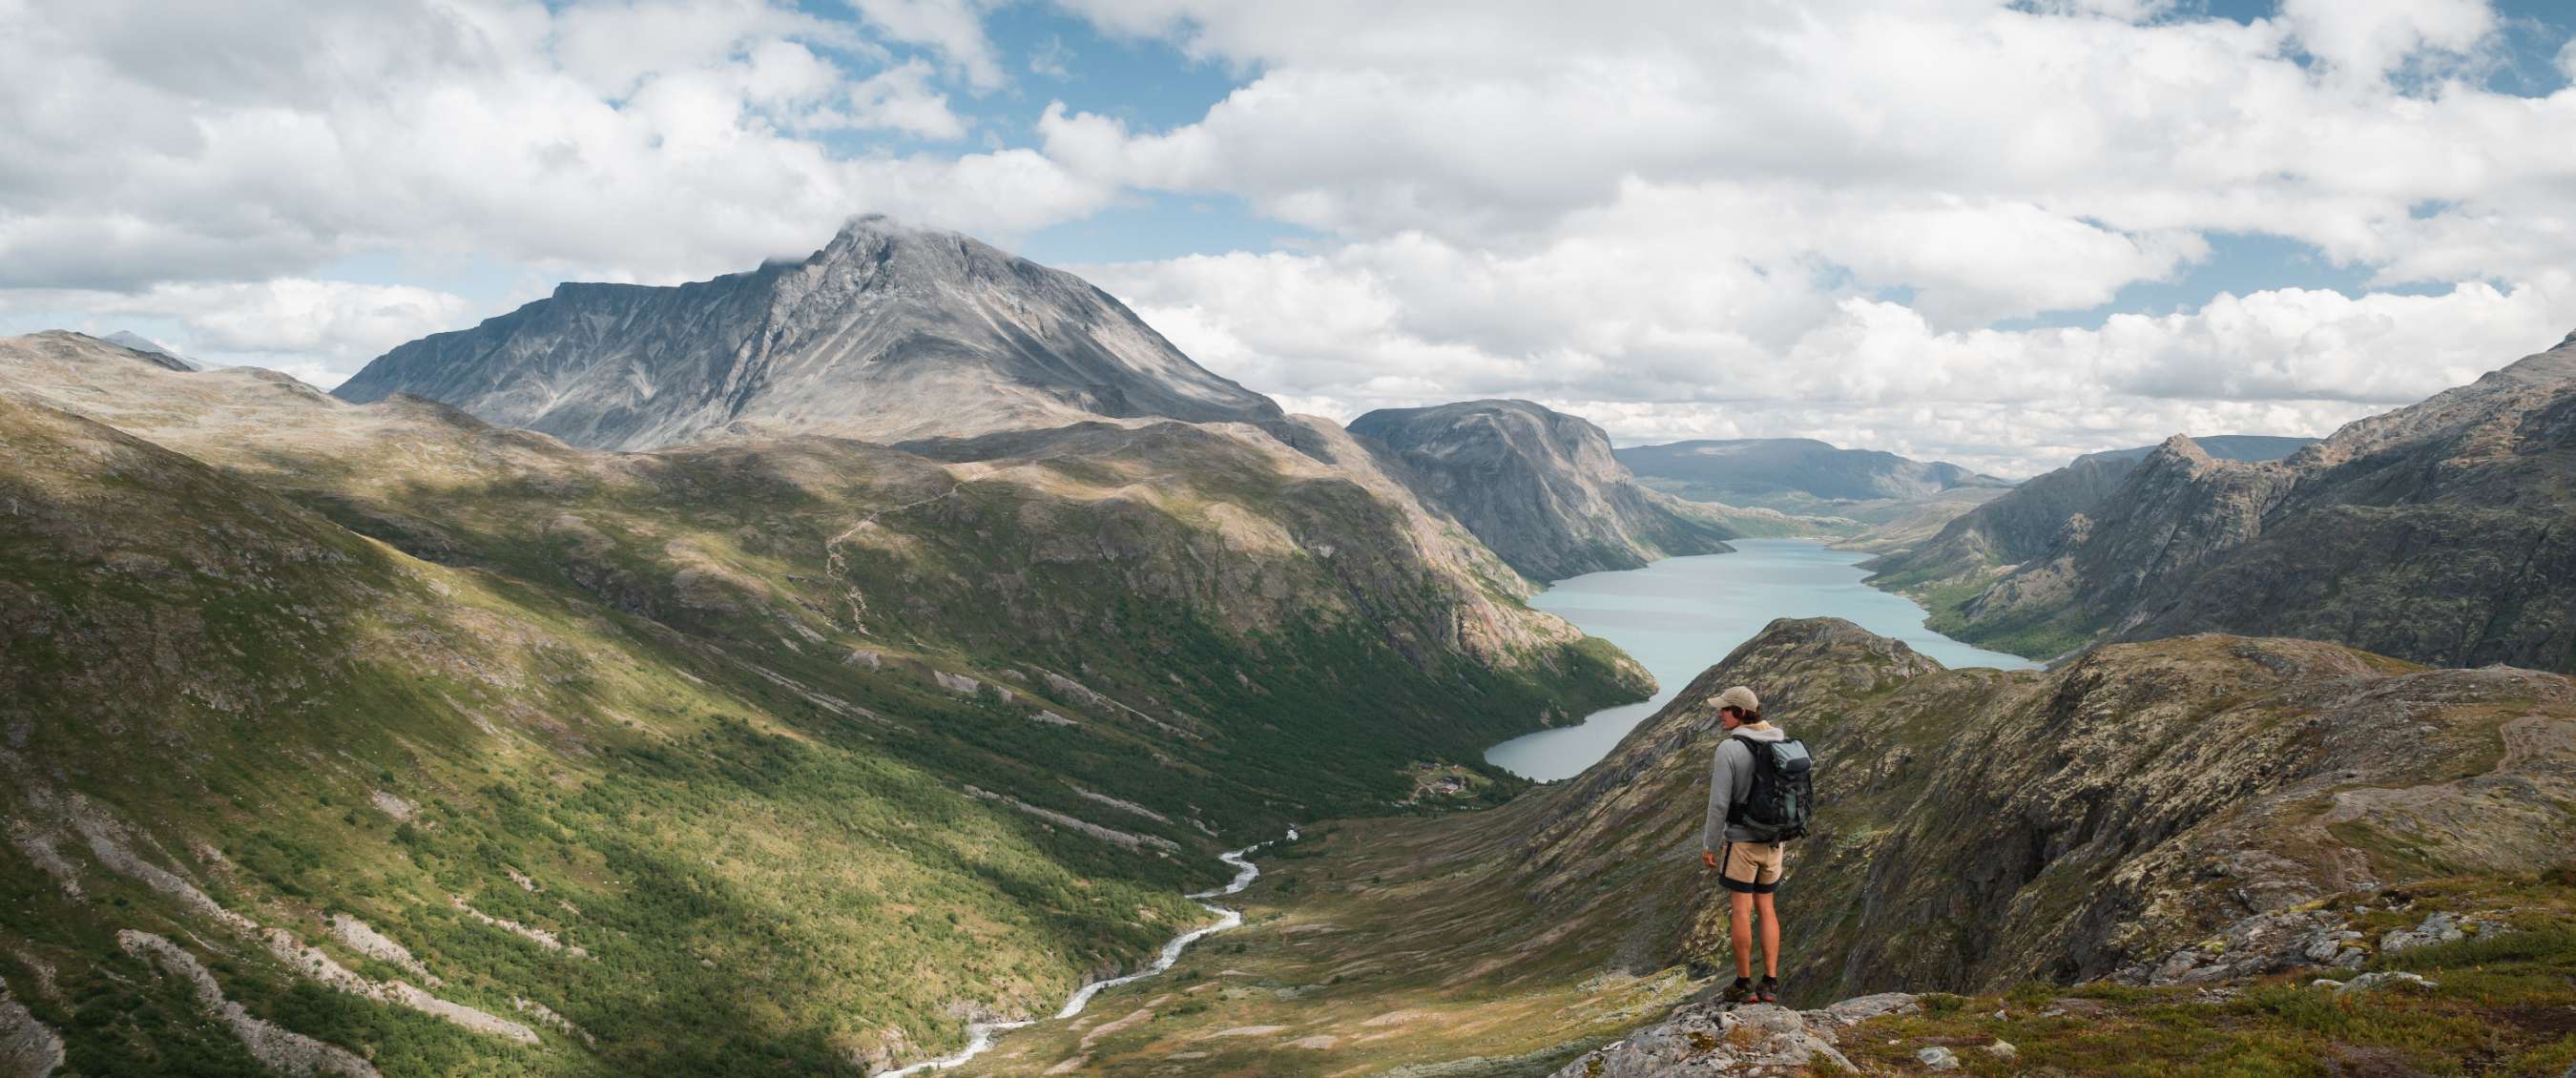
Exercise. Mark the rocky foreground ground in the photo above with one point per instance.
(2462, 978)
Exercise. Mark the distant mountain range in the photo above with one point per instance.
(886, 333)
(1793, 473)
(129, 339)
(2441, 532)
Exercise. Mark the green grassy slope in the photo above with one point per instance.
(717, 716)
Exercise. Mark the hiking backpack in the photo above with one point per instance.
(1783, 791)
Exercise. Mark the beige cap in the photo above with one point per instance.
(1739, 697)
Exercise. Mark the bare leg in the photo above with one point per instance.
(1743, 933)
(1770, 934)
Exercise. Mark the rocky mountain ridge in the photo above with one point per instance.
(886, 333)
(1540, 487)
(2439, 532)
(1989, 827)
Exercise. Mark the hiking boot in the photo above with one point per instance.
(1738, 993)
(1768, 991)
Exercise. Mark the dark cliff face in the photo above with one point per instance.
(886, 333)
(2028, 522)
(1539, 487)
(1979, 827)
(1758, 471)
(2443, 532)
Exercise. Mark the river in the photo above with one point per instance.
(979, 1035)
(1679, 616)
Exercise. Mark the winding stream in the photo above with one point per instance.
(980, 1035)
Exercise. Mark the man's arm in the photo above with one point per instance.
(1721, 795)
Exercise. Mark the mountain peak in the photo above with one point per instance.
(2181, 447)
(888, 332)
(135, 342)
(1539, 486)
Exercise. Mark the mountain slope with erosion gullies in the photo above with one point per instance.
(759, 755)
(2443, 532)
(1538, 486)
(2190, 826)
(888, 332)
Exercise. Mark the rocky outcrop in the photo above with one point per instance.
(1763, 471)
(1704, 1038)
(886, 333)
(28, 1048)
(2442, 532)
(1982, 827)
(275, 1047)
(1538, 486)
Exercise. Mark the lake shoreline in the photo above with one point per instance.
(1679, 616)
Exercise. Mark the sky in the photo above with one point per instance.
(1994, 233)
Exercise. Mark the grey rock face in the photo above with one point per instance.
(1746, 471)
(2371, 982)
(2438, 928)
(2255, 946)
(886, 333)
(1762, 1039)
(1538, 486)
(28, 1048)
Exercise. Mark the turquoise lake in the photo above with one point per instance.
(1680, 616)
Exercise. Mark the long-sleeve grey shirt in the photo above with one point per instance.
(1730, 780)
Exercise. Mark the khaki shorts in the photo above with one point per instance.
(1752, 868)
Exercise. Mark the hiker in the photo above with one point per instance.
(1758, 799)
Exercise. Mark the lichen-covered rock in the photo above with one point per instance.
(1704, 1038)
(2370, 982)
(2437, 928)
(1860, 1009)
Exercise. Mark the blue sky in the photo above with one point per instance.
(1997, 232)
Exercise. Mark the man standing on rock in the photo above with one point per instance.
(1758, 799)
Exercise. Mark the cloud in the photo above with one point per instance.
(1655, 342)
(2369, 38)
(653, 140)
(1682, 216)
(954, 27)
(1805, 219)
